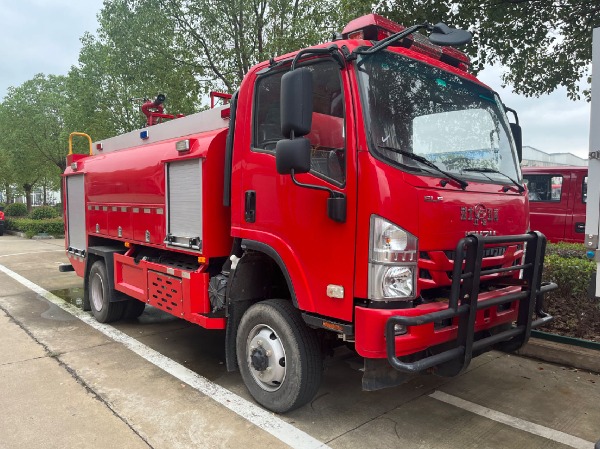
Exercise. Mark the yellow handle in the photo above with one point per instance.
(82, 135)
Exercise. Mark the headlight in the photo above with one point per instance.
(398, 281)
(392, 261)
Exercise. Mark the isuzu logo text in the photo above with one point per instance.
(478, 214)
(481, 233)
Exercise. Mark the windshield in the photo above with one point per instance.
(458, 125)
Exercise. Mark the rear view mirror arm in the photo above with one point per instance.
(336, 203)
(332, 193)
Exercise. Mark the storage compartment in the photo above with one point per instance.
(97, 218)
(149, 226)
(119, 222)
(76, 213)
(176, 291)
(184, 204)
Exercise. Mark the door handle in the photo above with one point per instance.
(250, 206)
(580, 228)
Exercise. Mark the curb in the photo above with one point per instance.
(562, 354)
(35, 237)
(15, 233)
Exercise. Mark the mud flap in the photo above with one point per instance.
(235, 311)
(249, 282)
(102, 252)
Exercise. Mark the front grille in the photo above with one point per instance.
(436, 269)
(424, 274)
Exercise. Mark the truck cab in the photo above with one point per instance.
(557, 201)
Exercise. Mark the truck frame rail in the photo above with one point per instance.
(463, 302)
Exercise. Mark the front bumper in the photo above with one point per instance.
(459, 322)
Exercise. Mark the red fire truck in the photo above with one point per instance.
(557, 201)
(363, 192)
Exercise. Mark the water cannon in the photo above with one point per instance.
(153, 110)
(160, 99)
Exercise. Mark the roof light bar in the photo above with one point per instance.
(374, 27)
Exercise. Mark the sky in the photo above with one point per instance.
(43, 36)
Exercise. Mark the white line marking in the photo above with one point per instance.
(517, 423)
(33, 252)
(267, 421)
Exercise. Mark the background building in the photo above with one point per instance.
(37, 197)
(532, 157)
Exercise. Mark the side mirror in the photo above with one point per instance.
(296, 103)
(518, 136)
(443, 35)
(292, 155)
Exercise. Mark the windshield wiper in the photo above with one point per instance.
(463, 184)
(491, 170)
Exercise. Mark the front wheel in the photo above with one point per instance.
(278, 355)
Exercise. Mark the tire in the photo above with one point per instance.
(133, 309)
(278, 355)
(100, 292)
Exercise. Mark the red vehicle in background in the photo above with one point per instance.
(1, 221)
(557, 201)
(365, 192)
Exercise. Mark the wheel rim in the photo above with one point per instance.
(97, 292)
(265, 355)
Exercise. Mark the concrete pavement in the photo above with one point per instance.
(66, 384)
(43, 404)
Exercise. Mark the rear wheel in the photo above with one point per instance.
(278, 355)
(100, 292)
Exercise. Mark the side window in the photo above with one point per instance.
(584, 190)
(327, 136)
(544, 188)
(267, 118)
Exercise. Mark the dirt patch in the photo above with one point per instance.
(574, 317)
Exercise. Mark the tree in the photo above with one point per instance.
(132, 57)
(543, 44)
(181, 48)
(223, 39)
(6, 176)
(32, 132)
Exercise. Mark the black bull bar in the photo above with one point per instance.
(463, 303)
